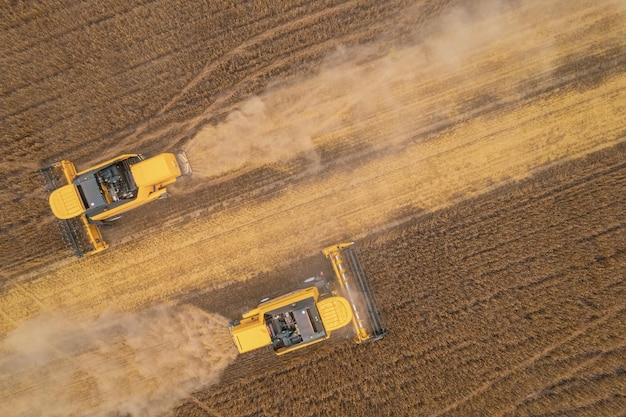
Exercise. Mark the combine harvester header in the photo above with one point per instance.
(308, 316)
(84, 200)
(355, 287)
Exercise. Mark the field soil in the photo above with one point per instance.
(475, 152)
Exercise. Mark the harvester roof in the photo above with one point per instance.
(159, 169)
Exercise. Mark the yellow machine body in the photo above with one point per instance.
(105, 191)
(291, 322)
(304, 317)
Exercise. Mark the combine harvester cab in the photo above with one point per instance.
(83, 200)
(290, 322)
(305, 317)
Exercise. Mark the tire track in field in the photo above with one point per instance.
(572, 382)
(119, 133)
(355, 387)
(26, 260)
(419, 348)
(464, 117)
(54, 37)
(399, 173)
(210, 67)
(56, 104)
(490, 271)
(273, 32)
(75, 116)
(17, 19)
(152, 60)
(569, 377)
(180, 131)
(459, 241)
(575, 191)
(415, 348)
(275, 187)
(209, 410)
(75, 26)
(497, 379)
(192, 242)
(505, 253)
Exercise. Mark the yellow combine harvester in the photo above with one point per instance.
(84, 200)
(306, 316)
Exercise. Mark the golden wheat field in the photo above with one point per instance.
(475, 151)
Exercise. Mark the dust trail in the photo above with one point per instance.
(353, 87)
(253, 135)
(119, 363)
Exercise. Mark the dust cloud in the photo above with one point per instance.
(353, 86)
(119, 363)
(253, 135)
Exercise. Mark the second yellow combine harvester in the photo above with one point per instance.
(84, 200)
(309, 315)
